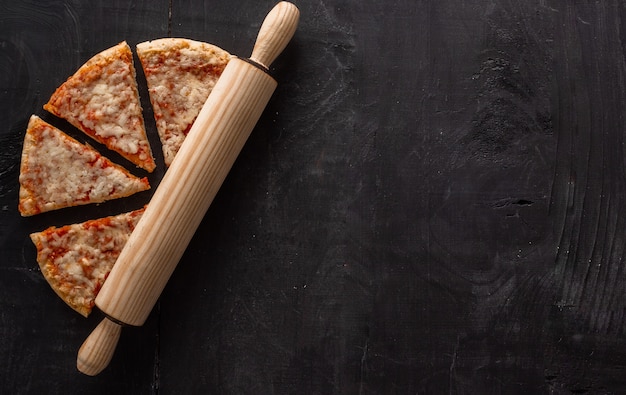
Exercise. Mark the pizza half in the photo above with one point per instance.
(180, 74)
(102, 100)
(57, 171)
(76, 259)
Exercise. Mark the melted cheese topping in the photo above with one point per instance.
(111, 108)
(76, 259)
(58, 171)
(102, 100)
(180, 74)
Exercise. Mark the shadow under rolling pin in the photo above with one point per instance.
(187, 190)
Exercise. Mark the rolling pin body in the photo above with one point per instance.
(185, 193)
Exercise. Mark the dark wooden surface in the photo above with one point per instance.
(433, 202)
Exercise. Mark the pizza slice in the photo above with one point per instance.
(180, 74)
(57, 171)
(102, 100)
(76, 259)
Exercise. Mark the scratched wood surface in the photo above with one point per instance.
(433, 202)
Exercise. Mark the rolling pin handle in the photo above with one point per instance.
(98, 349)
(275, 33)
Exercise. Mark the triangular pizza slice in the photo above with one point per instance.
(76, 259)
(180, 74)
(57, 171)
(102, 100)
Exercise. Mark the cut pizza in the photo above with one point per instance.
(180, 74)
(57, 171)
(76, 259)
(102, 100)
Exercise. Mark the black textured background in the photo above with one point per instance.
(433, 202)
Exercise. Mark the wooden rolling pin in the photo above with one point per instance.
(187, 190)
